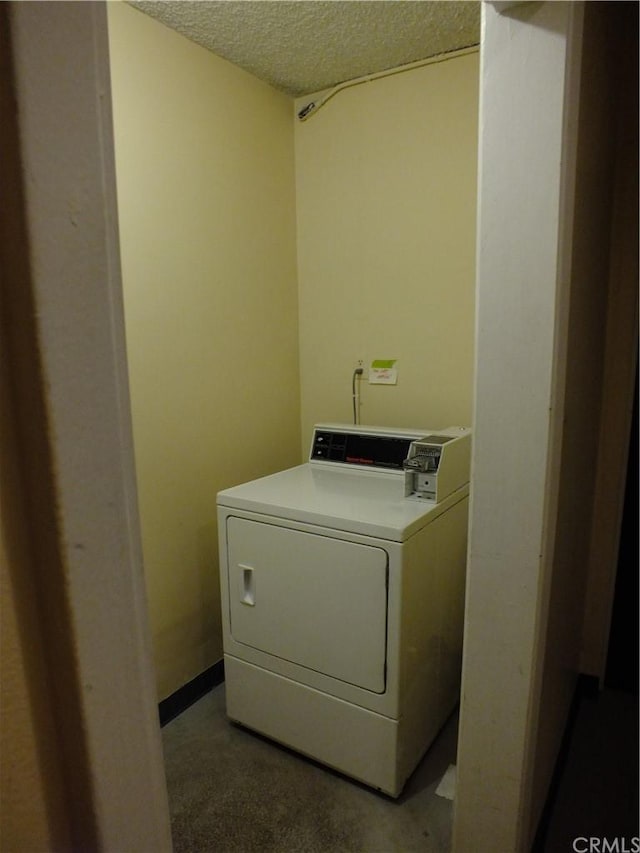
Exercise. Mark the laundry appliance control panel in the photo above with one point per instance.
(433, 464)
(373, 450)
(438, 464)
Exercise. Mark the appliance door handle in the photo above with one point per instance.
(247, 585)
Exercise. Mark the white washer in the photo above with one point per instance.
(343, 598)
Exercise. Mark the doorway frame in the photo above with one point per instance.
(70, 212)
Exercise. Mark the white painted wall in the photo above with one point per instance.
(529, 84)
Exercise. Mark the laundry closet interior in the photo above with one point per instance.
(262, 258)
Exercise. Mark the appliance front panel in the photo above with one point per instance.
(314, 600)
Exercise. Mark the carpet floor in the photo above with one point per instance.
(232, 791)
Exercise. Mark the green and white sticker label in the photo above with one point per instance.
(383, 371)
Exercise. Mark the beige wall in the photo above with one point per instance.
(386, 200)
(204, 156)
(32, 795)
(81, 761)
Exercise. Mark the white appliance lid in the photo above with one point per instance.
(365, 502)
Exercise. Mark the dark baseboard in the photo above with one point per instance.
(189, 693)
(587, 687)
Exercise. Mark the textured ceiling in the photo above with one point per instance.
(304, 46)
